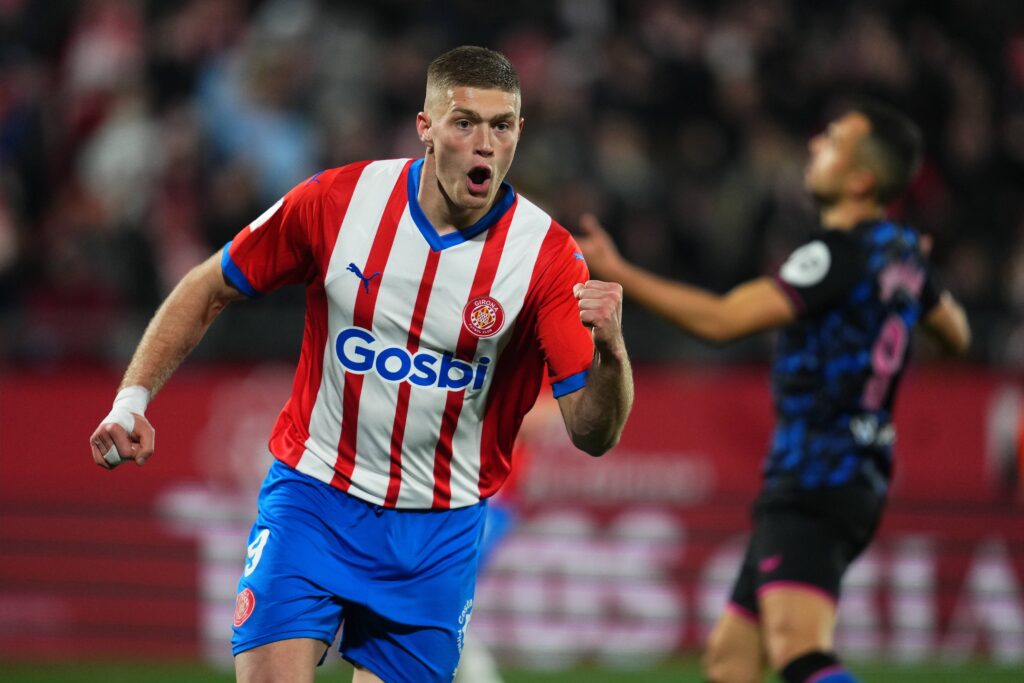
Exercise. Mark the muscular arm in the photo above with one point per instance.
(179, 324)
(751, 307)
(947, 322)
(596, 414)
(174, 331)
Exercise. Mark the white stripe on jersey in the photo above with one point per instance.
(392, 318)
(441, 328)
(355, 237)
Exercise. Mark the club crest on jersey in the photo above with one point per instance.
(245, 603)
(483, 316)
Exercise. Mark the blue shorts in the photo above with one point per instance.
(500, 520)
(401, 581)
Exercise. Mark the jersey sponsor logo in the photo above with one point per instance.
(807, 266)
(360, 352)
(353, 268)
(867, 432)
(245, 603)
(265, 216)
(483, 316)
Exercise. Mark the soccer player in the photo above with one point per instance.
(436, 297)
(846, 302)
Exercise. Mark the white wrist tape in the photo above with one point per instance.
(133, 399)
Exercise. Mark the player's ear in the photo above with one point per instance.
(423, 129)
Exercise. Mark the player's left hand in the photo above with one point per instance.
(600, 306)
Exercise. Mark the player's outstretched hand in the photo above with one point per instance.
(598, 248)
(133, 443)
(601, 310)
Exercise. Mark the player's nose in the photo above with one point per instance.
(485, 142)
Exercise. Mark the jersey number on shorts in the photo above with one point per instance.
(255, 551)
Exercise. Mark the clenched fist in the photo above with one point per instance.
(601, 310)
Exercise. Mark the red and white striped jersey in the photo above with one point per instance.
(422, 352)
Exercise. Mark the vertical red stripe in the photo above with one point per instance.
(288, 440)
(335, 210)
(362, 316)
(486, 270)
(514, 389)
(419, 312)
(514, 386)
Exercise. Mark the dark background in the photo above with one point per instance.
(137, 137)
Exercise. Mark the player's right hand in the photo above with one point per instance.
(136, 444)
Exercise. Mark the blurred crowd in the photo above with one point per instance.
(137, 137)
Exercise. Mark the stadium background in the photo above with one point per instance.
(137, 137)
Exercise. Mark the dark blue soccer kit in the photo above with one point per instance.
(858, 294)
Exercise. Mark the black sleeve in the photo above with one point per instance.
(819, 273)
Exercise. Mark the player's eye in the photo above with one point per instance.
(503, 127)
(463, 124)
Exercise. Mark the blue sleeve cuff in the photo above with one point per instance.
(569, 384)
(234, 274)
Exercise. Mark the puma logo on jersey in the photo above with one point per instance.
(359, 274)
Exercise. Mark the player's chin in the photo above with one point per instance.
(475, 200)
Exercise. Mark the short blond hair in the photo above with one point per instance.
(472, 67)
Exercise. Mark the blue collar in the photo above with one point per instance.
(438, 242)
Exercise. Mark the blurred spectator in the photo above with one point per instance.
(138, 137)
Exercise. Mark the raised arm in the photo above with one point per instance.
(947, 322)
(596, 414)
(748, 308)
(179, 324)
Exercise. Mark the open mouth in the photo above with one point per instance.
(479, 179)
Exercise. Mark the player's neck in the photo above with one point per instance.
(846, 214)
(444, 215)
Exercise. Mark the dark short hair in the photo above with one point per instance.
(893, 149)
(473, 67)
